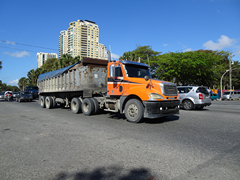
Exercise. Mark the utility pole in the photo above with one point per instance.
(230, 73)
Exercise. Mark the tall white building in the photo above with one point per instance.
(63, 43)
(102, 51)
(82, 40)
(42, 57)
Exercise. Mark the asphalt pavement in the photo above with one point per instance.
(54, 144)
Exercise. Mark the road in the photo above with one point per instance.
(56, 144)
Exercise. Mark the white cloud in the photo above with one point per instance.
(165, 44)
(18, 54)
(223, 42)
(237, 51)
(9, 42)
(13, 82)
(188, 49)
(114, 56)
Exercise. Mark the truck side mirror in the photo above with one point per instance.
(112, 71)
(146, 78)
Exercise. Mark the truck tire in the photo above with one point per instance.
(42, 101)
(134, 111)
(54, 102)
(87, 106)
(187, 105)
(96, 105)
(76, 105)
(48, 102)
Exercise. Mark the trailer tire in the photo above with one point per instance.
(48, 102)
(76, 105)
(42, 101)
(54, 104)
(134, 111)
(96, 105)
(87, 106)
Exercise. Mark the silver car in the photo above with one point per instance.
(231, 95)
(193, 97)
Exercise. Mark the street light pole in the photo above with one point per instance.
(221, 82)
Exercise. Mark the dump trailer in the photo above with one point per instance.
(117, 86)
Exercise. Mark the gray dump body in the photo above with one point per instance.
(89, 75)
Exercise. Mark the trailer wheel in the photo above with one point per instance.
(96, 105)
(42, 101)
(87, 106)
(76, 105)
(134, 111)
(48, 102)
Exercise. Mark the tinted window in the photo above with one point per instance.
(118, 72)
(202, 90)
(184, 89)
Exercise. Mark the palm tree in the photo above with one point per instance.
(66, 59)
(22, 82)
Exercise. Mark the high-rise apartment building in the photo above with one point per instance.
(102, 51)
(83, 39)
(63, 43)
(42, 57)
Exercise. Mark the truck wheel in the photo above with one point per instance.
(187, 105)
(96, 105)
(87, 106)
(76, 105)
(48, 102)
(54, 102)
(42, 101)
(134, 111)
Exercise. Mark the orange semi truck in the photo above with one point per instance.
(117, 86)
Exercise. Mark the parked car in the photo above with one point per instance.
(15, 94)
(24, 96)
(214, 96)
(2, 95)
(8, 96)
(230, 95)
(193, 97)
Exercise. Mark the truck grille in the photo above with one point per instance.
(168, 89)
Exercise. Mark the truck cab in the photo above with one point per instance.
(139, 95)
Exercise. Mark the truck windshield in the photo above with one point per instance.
(137, 71)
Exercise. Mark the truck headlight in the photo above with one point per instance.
(155, 96)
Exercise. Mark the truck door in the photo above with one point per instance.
(116, 84)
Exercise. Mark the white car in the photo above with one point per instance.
(193, 97)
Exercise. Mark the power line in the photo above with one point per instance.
(17, 49)
(9, 42)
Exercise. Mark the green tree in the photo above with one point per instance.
(22, 83)
(187, 68)
(49, 64)
(145, 53)
(0, 65)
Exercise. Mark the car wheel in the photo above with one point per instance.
(187, 105)
(76, 105)
(87, 106)
(133, 111)
(48, 102)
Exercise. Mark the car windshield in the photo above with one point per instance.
(226, 93)
(137, 71)
(25, 93)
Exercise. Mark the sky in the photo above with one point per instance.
(31, 26)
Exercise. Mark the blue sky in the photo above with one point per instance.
(167, 26)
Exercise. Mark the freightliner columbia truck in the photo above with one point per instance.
(117, 86)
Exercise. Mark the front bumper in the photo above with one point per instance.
(156, 109)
